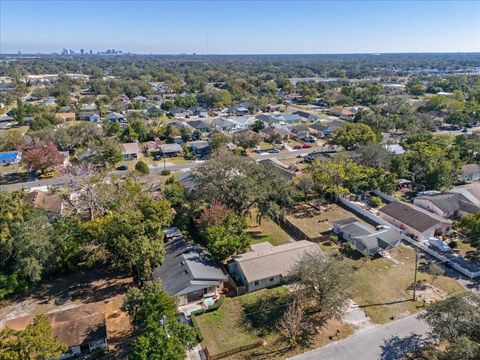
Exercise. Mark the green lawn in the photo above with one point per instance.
(268, 230)
(230, 327)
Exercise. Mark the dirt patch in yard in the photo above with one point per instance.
(315, 220)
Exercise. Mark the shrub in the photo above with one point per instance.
(196, 326)
(142, 168)
(165, 172)
(375, 201)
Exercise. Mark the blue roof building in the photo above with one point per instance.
(10, 158)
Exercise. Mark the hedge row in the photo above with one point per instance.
(194, 314)
(196, 327)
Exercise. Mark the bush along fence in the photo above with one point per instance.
(194, 314)
(233, 351)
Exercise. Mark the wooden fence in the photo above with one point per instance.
(232, 351)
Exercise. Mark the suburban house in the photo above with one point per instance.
(200, 148)
(52, 204)
(170, 150)
(343, 113)
(415, 221)
(10, 158)
(470, 172)
(188, 273)
(223, 124)
(300, 130)
(306, 116)
(199, 111)
(289, 118)
(322, 130)
(367, 239)
(90, 116)
(203, 126)
(270, 132)
(117, 117)
(267, 265)
(470, 191)
(70, 116)
(178, 112)
(83, 328)
(242, 122)
(140, 99)
(448, 205)
(130, 151)
(238, 111)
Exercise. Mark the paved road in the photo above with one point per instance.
(386, 342)
(154, 170)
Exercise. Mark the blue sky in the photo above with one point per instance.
(233, 27)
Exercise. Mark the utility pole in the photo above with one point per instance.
(415, 276)
(163, 322)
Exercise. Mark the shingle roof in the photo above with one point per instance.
(130, 148)
(267, 261)
(413, 216)
(45, 201)
(470, 169)
(186, 268)
(451, 202)
(171, 148)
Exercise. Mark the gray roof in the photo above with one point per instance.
(171, 148)
(371, 238)
(186, 268)
(451, 202)
(413, 216)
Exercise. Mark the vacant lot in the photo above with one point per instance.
(314, 221)
(382, 286)
(227, 328)
(268, 230)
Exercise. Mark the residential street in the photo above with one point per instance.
(386, 342)
(153, 170)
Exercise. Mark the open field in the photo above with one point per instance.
(313, 222)
(227, 328)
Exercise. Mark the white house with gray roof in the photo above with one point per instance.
(367, 239)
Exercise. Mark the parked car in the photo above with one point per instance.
(273, 151)
(297, 147)
(122, 168)
(306, 146)
(47, 175)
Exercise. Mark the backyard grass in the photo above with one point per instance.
(314, 222)
(268, 230)
(227, 328)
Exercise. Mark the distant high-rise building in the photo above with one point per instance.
(82, 52)
(64, 52)
(91, 52)
(71, 51)
(19, 53)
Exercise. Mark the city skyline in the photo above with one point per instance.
(240, 27)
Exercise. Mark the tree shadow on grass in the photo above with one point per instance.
(408, 347)
(263, 313)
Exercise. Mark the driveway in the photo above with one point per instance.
(387, 342)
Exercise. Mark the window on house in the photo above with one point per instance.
(256, 282)
(271, 279)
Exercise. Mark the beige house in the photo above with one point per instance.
(267, 265)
